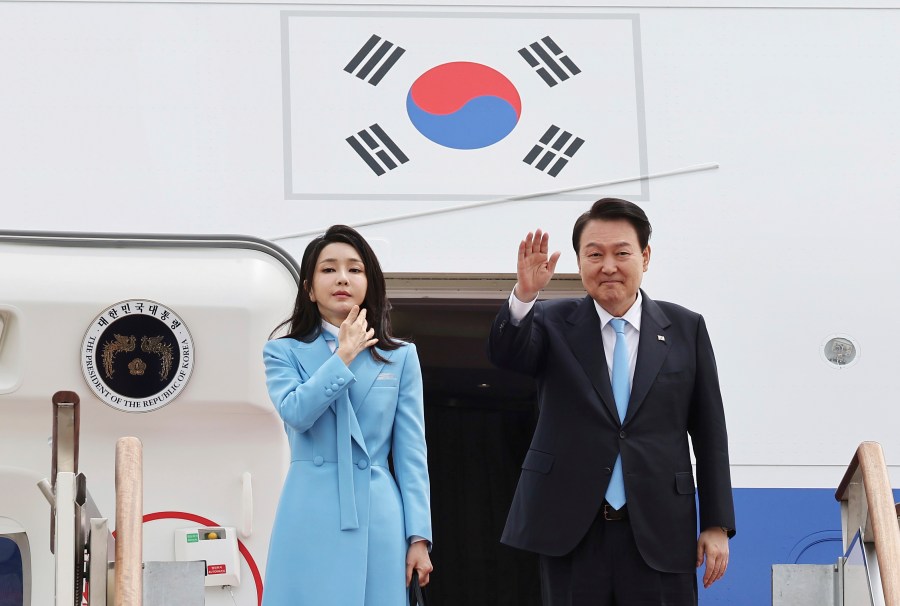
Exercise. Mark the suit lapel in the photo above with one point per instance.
(586, 341)
(652, 351)
(312, 355)
(366, 369)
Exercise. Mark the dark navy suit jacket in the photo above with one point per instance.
(675, 393)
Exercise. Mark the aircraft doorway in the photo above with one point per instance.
(479, 422)
(14, 554)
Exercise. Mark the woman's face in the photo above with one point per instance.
(339, 282)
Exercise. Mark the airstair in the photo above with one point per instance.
(149, 335)
(80, 539)
(868, 572)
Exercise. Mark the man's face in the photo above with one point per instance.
(611, 263)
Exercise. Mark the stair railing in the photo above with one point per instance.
(867, 504)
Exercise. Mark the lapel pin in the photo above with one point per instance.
(661, 338)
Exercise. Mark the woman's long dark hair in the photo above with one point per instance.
(305, 322)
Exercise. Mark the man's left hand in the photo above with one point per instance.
(713, 547)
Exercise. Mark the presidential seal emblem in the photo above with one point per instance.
(137, 355)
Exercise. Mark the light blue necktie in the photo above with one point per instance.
(615, 492)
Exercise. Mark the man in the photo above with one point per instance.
(607, 495)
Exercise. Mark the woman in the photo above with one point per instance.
(349, 394)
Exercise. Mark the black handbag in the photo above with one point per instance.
(416, 596)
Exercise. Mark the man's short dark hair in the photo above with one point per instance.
(614, 209)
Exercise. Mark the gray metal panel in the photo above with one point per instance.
(123, 240)
(99, 564)
(803, 585)
(174, 583)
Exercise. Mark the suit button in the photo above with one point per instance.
(335, 386)
(622, 434)
(318, 461)
(340, 380)
(607, 470)
(328, 391)
(362, 464)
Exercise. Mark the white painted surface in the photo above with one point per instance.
(198, 447)
(167, 117)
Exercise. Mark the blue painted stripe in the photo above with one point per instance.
(776, 526)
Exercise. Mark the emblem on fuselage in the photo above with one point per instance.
(137, 355)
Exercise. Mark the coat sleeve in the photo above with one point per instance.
(709, 437)
(410, 453)
(519, 348)
(299, 399)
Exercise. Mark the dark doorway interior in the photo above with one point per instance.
(12, 580)
(479, 422)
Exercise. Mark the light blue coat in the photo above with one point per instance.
(343, 524)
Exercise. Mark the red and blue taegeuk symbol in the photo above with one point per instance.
(463, 105)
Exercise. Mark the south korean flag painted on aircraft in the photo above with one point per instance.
(460, 104)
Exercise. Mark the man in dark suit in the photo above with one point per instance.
(607, 494)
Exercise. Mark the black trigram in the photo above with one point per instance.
(369, 57)
(545, 54)
(377, 149)
(552, 144)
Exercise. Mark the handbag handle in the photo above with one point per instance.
(416, 597)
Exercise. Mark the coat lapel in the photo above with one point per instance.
(586, 341)
(366, 369)
(652, 351)
(311, 355)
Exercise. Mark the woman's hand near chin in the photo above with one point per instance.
(354, 335)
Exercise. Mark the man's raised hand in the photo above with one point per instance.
(535, 268)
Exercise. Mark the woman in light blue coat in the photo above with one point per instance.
(347, 531)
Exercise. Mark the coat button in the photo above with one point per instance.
(622, 434)
(362, 464)
(607, 470)
(318, 460)
(328, 391)
(335, 386)
(340, 380)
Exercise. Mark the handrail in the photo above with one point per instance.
(129, 522)
(867, 477)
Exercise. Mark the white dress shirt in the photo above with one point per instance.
(333, 331)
